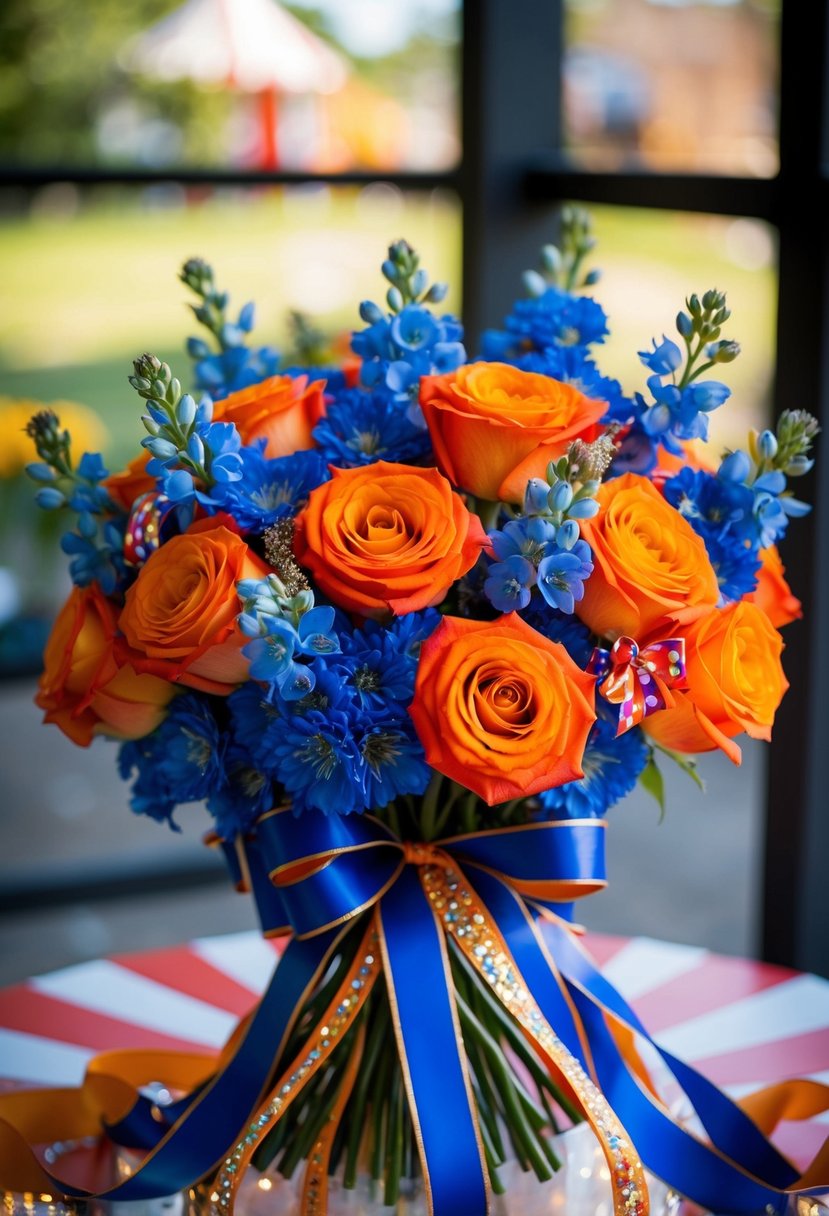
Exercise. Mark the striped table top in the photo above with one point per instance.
(743, 1024)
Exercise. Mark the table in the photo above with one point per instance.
(743, 1024)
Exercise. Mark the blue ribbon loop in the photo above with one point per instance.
(512, 869)
(315, 872)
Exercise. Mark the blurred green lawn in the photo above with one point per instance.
(83, 291)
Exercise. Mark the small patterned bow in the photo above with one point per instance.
(638, 681)
(142, 536)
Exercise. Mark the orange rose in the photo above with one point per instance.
(179, 617)
(386, 538)
(735, 683)
(772, 593)
(500, 708)
(493, 427)
(83, 689)
(282, 409)
(650, 567)
(131, 482)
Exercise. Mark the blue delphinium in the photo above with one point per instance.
(96, 553)
(542, 547)
(270, 489)
(277, 644)
(187, 475)
(611, 769)
(680, 401)
(95, 546)
(362, 427)
(562, 575)
(233, 364)
(719, 510)
(399, 347)
(182, 760)
(397, 350)
(676, 414)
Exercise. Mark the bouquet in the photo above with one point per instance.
(410, 626)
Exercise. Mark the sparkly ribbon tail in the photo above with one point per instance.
(467, 922)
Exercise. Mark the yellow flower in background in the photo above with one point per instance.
(88, 431)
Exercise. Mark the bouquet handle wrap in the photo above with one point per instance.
(504, 896)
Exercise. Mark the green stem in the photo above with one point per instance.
(393, 817)
(428, 807)
(356, 1109)
(699, 371)
(315, 1119)
(394, 1142)
(468, 808)
(379, 1113)
(487, 512)
(505, 1026)
(452, 797)
(522, 1133)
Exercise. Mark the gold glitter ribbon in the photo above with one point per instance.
(466, 921)
(340, 1015)
(315, 1184)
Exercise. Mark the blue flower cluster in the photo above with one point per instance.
(95, 546)
(737, 512)
(533, 552)
(555, 318)
(196, 755)
(612, 765)
(676, 413)
(397, 350)
(236, 365)
(348, 744)
(270, 489)
(362, 426)
(718, 510)
(344, 745)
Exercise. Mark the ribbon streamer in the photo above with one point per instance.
(639, 681)
(515, 885)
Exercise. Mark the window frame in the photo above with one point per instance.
(509, 187)
(510, 179)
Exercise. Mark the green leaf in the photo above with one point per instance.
(652, 781)
(689, 767)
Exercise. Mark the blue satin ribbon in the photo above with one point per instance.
(359, 860)
(316, 872)
(195, 1146)
(431, 1050)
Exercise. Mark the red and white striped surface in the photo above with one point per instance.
(743, 1024)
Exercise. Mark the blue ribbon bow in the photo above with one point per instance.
(315, 873)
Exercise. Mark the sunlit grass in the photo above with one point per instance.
(81, 295)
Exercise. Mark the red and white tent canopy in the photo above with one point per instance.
(250, 45)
